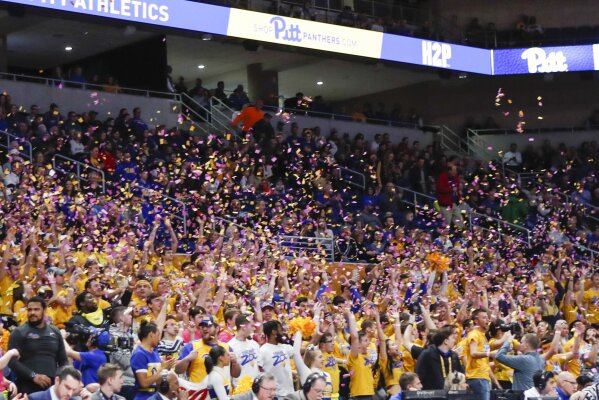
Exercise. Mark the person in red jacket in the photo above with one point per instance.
(250, 114)
(449, 196)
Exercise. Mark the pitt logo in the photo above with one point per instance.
(282, 32)
(540, 61)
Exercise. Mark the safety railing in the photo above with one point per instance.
(523, 178)
(88, 86)
(25, 148)
(415, 198)
(451, 142)
(68, 165)
(204, 114)
(339, 117)
(352, 177)
(590, 253)
(488, 223)
(193, 117)
(500, 227)
(294, 245)
(242, 228)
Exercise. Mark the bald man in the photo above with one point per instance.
(566, 385)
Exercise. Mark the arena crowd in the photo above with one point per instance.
(105, 292)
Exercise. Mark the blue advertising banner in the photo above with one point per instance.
(245, 24)
(537, 60)
(436, 54)
(170, 13)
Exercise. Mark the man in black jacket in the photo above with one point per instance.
(438, 360)
(41, 348)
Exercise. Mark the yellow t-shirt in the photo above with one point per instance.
(330, 367)
(62, 313)
(409, 364)
(477, 368)
(20, 312)
(556, 363)
(590, 299)
(502, 372)
(197, 368)
(570, 312)
(4, 340)
(6, 288)
(361, 378)
(392, 374)
(572, 366)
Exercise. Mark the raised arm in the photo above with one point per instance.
(173, 235)
(353, 333)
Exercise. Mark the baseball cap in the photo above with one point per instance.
(207, 320)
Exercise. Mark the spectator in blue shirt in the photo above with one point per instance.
(88, 362)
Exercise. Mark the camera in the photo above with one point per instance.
(104, 340)
(513, 327)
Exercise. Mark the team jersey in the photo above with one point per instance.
(143, 361)
(276, 359)
(197, 369)
(361, 377)
(330, 367)
(246, 353)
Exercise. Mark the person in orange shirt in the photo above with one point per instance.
(249, 115)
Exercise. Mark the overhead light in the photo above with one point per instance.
(201, 66)
(68, 48)
(129, 30)
(206, 36)
(320, 83)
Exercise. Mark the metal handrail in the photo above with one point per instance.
(351, 172)
(501, 225)
(11, 137)
(305, 243)
(513, 131)
(450, 140)
(416, 195)
(88, 86)
(190, 104)
(472, 215)
(218, 110)
(342, 117)
(79, 165)
(197, 116)
(243, 228)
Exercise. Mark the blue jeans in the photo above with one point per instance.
(481, 388)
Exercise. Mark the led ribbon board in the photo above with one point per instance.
(538, 60)
(199, 17)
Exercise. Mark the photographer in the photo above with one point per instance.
(90, 315)
(88, 362)
(526, 364)
(121, 332)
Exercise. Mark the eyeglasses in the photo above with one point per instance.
(572, 383)
(271, 390)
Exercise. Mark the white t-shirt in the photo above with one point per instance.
(276, 359)
(532, 392)
(246, 352)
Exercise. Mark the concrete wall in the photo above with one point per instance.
(353, 128)
(154, 110)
